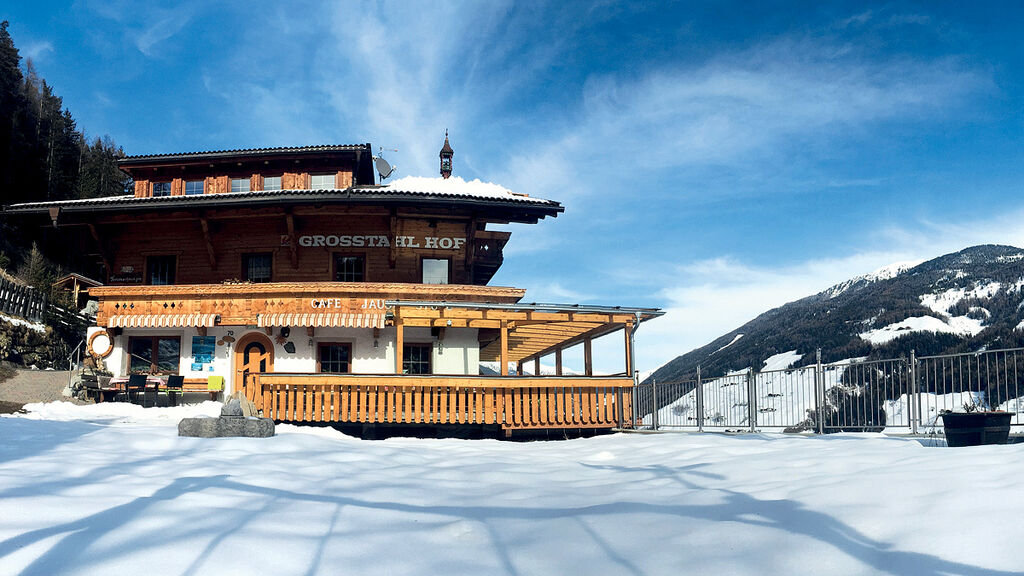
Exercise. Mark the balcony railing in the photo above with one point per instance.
(507, 402)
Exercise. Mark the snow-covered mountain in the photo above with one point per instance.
(966, 301)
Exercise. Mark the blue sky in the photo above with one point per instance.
(715, 159)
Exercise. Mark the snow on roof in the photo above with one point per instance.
(454, 186)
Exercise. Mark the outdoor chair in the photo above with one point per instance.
(149, 394)
(174, 387)
(135, 385)
(214, 385)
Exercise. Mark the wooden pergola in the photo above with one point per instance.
(525, 332)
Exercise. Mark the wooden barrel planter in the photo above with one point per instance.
(976, 428)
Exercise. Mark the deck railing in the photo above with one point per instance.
(508, 402)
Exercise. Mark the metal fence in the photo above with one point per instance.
(899, 395)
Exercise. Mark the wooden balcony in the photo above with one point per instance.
(510, 403)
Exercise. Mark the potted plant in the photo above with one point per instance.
(977, 424)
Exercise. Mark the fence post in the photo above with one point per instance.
(912, 396)
(751, 400)
(700, 403)
(819, 392)
(654, 399)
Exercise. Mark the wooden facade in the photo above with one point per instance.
(302, 243)
(258, 284)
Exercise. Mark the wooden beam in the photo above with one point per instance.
(399, 345)
(504, 349)
(293, 246)
(627, 330)
(536, 365)
(594, 333)
(588, 357)
(558, 361)
(209, 242)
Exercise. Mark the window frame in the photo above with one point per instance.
(149, 269)
(319, 356)
(335, 256)
(154, 360)
(280, 182)
(202, 187)
(333, 180)
(248, 184)
(245, 267)
(406, 357)
(161, 184)
(423, 279)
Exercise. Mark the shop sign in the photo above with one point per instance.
(378, 241)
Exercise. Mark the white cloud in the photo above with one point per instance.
(35, 51)
(706, 299)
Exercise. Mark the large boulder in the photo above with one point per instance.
(237, 419)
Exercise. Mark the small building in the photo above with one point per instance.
(325, 296)
(76, 287)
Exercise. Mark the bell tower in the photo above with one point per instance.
(446, 157)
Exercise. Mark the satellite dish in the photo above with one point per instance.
(383, 168)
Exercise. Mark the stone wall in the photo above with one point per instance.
(27, 346)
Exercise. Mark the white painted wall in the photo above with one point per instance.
(458, 354)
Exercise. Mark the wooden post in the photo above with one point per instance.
(558, 361)
(504, 348)
(588, 358)
(627, 329)
(519, 367)
(399, 345)
(536, 366)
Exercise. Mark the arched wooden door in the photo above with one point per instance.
(254, 352)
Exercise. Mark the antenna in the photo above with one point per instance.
(383, 168)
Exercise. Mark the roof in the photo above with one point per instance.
(214, 154)
(484, 196)
(81, 279)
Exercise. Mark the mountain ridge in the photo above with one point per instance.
(957, 302)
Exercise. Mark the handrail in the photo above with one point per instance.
(447, 376)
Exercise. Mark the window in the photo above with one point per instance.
(416, 358)
(321, 181)
(154, 354)
(193, 187)
(161, 188)
(257, 267)
(239, 184)
(334, 358)
(160, 269)
(349, 268)
(435, 271)
(271, 182)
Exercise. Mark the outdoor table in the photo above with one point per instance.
(116, 385)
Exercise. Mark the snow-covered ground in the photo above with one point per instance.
(37, 326)
(112, 489)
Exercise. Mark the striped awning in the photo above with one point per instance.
(162, 320)
(322, 320)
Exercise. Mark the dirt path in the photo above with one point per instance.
(33, 386)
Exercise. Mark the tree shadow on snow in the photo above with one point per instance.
(76, 543)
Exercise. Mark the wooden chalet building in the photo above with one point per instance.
(326, 297)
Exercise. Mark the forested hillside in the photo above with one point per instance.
(44, 155)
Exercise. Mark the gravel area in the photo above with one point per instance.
(35, 386)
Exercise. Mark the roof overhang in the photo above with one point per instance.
(534, 330)
(513, 208)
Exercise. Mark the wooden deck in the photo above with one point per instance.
(508, 402)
